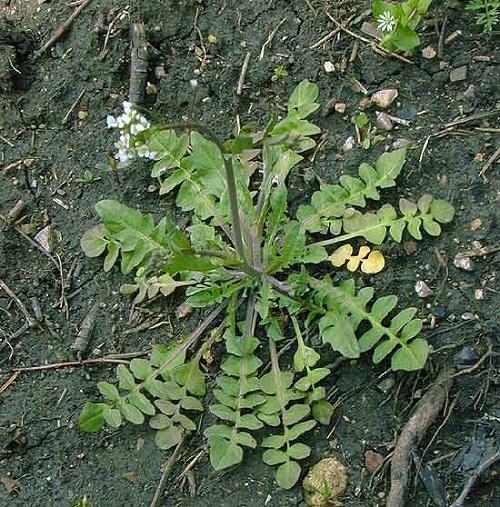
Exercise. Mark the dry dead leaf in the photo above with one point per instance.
(130, 476)
(374, 263)
(339, 257)
(10, 484)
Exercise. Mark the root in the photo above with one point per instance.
(424, 415)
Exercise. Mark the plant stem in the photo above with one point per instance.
(231, 181)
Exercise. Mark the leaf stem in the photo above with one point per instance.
(230, 179)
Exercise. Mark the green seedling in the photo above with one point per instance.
(398, 23)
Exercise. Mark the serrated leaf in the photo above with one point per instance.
(339, 333)
(249, 422)
(244, 438)
(190, 376)
(288, 474)
(223, 412)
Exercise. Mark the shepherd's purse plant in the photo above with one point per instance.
(251, 262)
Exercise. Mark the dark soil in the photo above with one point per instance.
(41, 448)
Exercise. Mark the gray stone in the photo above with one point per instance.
(458, 74)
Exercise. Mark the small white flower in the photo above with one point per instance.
(111, 122)
(143, 151)
(386, 22)
(123, 155)
(127, 106)
(153, 155)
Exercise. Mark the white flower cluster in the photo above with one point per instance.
(131, 123)
(386, 22)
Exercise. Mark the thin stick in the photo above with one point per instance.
(9, 382)
(138, 63)
(62, 28)
(19, 303)
(325, 39)
(72, 108)
(489, 163)
(472, 117)
(441, 37)
(270, 38)
(73, 364)
(473, 478)
(166, 471)
(243, 73)
(34, 243)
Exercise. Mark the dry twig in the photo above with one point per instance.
(61, 30)
(270, 38)
(472, 480)
(166, 472)
(31, 321)
(243, 73)
(138, 63)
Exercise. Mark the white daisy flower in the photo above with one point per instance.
(386, 22)
(127, 106)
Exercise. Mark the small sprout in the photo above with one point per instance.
(279, 73)
(212, 39)
(371, 261)
(88, 177)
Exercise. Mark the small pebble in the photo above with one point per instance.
(349, 144)
(373, 461)
(458, 74)
(439, 312)
(384, 121)
(384, 98)
(467, 316)
(429, 53)
(386, 385)
(422, 289)
(464, 263)
(479, 294)
(82, 114)
(329, 66)
(466, 356)
(340, 107)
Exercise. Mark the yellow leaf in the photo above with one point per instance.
(353, 263)
(363, 251)
(374, 263)
(340, 255)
